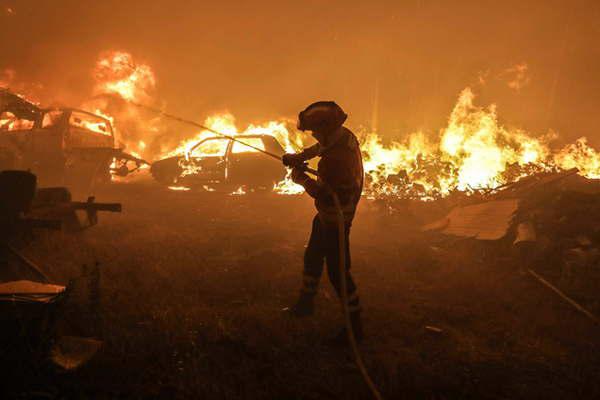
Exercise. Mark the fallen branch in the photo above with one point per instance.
(563, 296)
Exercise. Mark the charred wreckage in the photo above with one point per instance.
(60, 145)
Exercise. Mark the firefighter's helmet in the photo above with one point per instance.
(322, 115)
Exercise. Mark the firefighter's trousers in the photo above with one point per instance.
(323, 246)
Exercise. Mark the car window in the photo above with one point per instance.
(242, 148)
(10, 122)
(211, 147)
(90, 122)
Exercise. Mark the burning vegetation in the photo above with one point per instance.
(474, 152)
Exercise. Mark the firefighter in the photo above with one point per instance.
(340, 170)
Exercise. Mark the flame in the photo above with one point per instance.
(179, 188)
(97, 126)
(474, 151)
(225, 124)
(117, 73)
(238, 192)
(120, 76)
(581, 156)
(9, 122)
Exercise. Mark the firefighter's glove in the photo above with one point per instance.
(292, 160)
(299, 176)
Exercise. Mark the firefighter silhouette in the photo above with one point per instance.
(340, 170)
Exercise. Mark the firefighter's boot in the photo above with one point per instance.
(304, 307)
(341, 339)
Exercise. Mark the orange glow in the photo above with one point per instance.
(9, 122)
(225, 123)
(474, 151)
(179, 188)
(117, 73)
(92, 123)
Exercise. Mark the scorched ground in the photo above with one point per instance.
(193, 284)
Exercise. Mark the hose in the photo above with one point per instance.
(341, 226)
(206, 128)
(341, 246)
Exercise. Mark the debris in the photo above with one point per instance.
(55, 203)
(525, 233)
(30, 292)
(563, 296)
(484, 221)
(59, 144)
(434, 329)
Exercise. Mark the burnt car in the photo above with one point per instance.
(60, 145)
(220, 161)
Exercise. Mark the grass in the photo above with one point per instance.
(193, 285)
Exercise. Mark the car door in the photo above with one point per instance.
(251, 168)
(206, 162)
(45, 155)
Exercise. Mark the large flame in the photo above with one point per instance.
(473, 152)
(117, 73)
(119, 80)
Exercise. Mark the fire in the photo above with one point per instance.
(9, 122)
(581, 156)
(238, 192)
(117, 73)
(118, 76)
(225, 124)
(474, 151)
(179, 188)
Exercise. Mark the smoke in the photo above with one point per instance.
(517, 76)
(7, 77)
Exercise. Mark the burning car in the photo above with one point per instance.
(223, 161)
(60, 145)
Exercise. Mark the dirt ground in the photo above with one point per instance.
(193, 285)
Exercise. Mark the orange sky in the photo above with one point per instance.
(265, 59)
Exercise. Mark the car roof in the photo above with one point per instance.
(75, 109)
(256, 135)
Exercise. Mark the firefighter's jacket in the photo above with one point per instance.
(340, 170)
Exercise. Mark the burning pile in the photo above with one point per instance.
(473, 152)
